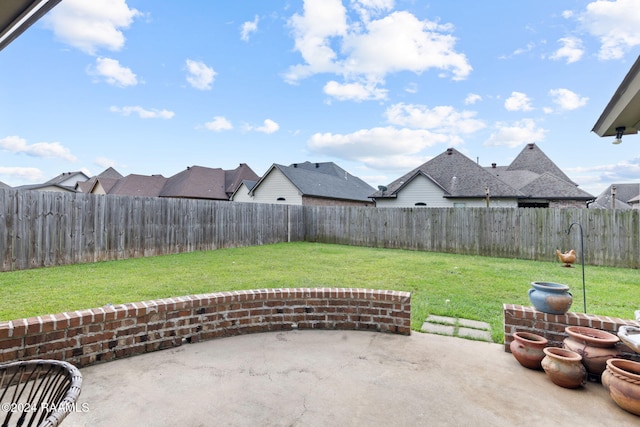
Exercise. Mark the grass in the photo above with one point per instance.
(469, 287)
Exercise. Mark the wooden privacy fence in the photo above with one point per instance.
(40, 229)
(50, 228)
(609, 237)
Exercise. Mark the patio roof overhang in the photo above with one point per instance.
(18, 15)
(623, 109)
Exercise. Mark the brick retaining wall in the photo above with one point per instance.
(112, 332)
(519, 318)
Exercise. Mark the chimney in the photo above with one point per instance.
(493, 165)
(530, 146)
(317, 165)
(295, 165)
(449, 151)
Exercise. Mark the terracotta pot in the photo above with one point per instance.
(564, 367)
(549, 297)
(594, 345)
(621, 379)
(527, 349)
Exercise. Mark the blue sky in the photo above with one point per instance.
(376, 86)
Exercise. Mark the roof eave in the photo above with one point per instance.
(23, 18)
(623, 110)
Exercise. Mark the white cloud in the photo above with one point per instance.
(472, 98)
(21, 173)
(200, 76)
(615, 23)
(248, 28)
(15, 144)
(368, 8)
(354, 91)
(443, 119)
(378, 147)
(364, 52)
(218, 124)
(515, 134)
(269, 126)
(571, 50)
(313, 30)
(142, 112)
(113, 73)
(518, 101)
(91, 25)
(413, 128)
(567, 100)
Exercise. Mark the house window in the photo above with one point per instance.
(459, 205)
(281, 199)
(420, 204)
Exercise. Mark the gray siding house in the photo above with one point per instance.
(453, 180)
(324, 184)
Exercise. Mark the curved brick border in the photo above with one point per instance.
(519, 318)
(100, 334)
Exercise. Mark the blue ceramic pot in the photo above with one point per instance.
(549, 297)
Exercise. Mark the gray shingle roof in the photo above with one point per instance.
(532, 159)
(65, 176)
(457, 175)
(548, 186)
(625, 193)
(531, 175)
(196, 182)
(233, 178)
(326, 180)
(110, 173)
(139, 185)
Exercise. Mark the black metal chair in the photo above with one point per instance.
(38, 392)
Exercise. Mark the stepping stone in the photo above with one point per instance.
(474, 324)
(441, 319)
(475, 334)
(436, 328)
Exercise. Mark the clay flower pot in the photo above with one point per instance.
(527, 349)
(594, 345)
(549, 297)
(564, 367)
(621, 379)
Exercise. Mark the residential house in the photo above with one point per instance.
(618, 196)
(320, 184)
(65, 182)
(195, 182)
(99, 184)
(450, 179)
(453, 180)
(540, 182)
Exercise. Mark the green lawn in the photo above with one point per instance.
(469, 287)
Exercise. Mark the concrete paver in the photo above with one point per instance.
(477, 334)
(465, 328)
(475, 324)
(437, 328)
(341, 378)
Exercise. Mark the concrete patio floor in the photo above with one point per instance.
(335, 378)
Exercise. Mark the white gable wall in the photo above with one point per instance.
(274, 186)
(423, 190)
(242, 194)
